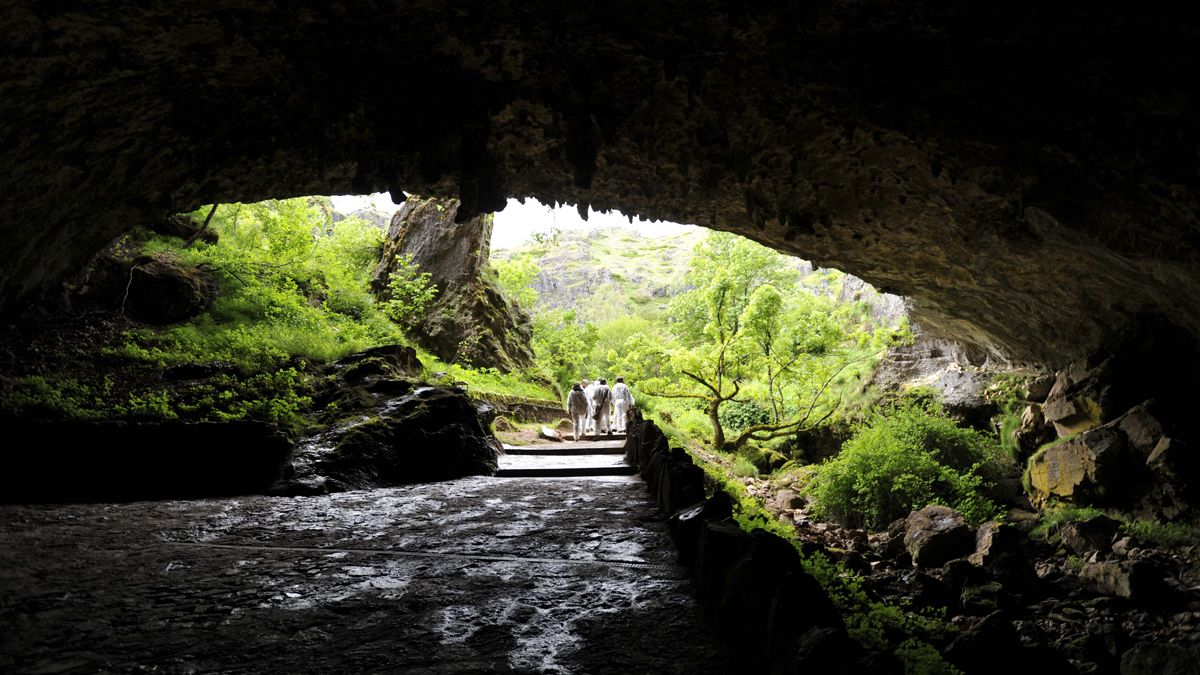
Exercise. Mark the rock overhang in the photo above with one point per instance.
(1027, 175)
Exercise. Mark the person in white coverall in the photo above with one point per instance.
(601, 406)
(622, 403)
(589, 388)
(577, 410)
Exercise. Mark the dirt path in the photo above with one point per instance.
(475, 575)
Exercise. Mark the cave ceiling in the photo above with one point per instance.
(1025, 172)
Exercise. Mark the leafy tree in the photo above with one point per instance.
(563, 345)
(736, 324)
(516, 277)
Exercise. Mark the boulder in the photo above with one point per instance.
(935, 535)
(1033, 432)
(1002, 550)
(1088, 536)
(163, 290)
(1136, 580)
(1038, 388)
(1173, 490)
(1142, 430)
(787, 500)
(1095, 468)
(1073, 415)
(957, 575)
(427, 435)
(549, 434)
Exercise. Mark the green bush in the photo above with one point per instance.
(410, 292)
(904, 459)
(736, 416)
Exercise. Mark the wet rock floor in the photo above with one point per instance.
(475, 575)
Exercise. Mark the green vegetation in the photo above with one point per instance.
(878, 626)
(293, 285)
(292, 294)
(410, 293)
(903, 459)
(1167, 535)
(740, 351)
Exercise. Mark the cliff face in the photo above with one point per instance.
(470, 319)
(1025, 172)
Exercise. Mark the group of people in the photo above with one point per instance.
(594, 408)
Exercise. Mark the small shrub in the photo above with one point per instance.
(410, 292)
(738, 415)
(904, 459)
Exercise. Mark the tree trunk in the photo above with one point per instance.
(714, 407)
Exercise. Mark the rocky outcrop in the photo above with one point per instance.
(470, 321)
(381, 427)
(1121, 464)
(1124, 422)
(955, 371)
(1025, 175)
(155, 289)
(1091, 535)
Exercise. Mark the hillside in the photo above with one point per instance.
(606, 275)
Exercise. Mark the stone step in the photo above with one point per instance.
(566, 472)
(598, 437)
(565, 449)
(561, 465)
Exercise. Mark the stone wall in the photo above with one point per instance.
(775, 616)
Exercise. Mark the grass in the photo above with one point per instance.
(744, 467)
(487, 382)
(1163, 535)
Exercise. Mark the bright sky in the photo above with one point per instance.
(517, 222)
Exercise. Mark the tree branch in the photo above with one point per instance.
(662, 395)
(196, 235)
(701, 380)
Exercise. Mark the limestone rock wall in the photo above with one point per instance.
(1025, 172)
(470, 319)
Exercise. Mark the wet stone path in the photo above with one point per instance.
(480, 575)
